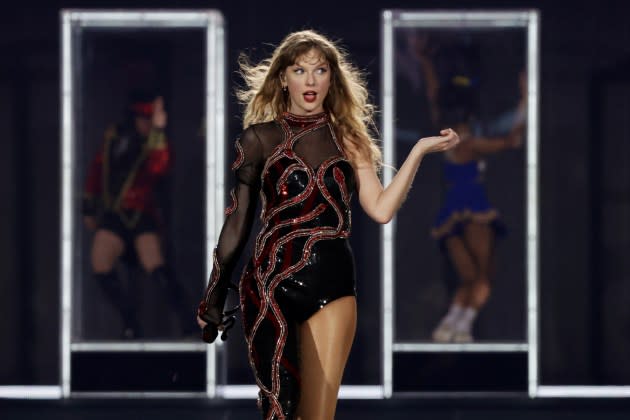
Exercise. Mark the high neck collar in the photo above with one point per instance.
(304, 120)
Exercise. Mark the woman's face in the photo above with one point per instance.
(308, 81)
(143, 125)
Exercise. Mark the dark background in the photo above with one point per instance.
(584, 188)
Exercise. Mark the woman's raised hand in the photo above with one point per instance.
(447, 139)
(159, 114)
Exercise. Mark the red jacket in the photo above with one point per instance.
(153, 160)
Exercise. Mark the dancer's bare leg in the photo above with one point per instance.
(107, 247)
(466, 270)
(149, 251)
(325, 342)
(480, 241)
(465, 267)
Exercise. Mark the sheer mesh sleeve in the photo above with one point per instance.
(236, 228)
(240, 215)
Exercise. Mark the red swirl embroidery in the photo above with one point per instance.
(240, 155)
(234, 205)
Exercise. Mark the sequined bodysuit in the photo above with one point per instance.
(301, 259)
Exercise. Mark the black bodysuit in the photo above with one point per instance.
(301, 259)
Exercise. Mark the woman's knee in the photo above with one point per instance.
(482, 288)
(152, 264)
(149, 251)
(486, 288)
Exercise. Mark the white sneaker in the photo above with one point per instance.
(443, 333)
(462, 337)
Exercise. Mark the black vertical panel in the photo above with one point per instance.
(8, 185)
(595, 99)
(23, 218)
(610, 225)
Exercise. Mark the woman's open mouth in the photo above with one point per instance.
(310, 96)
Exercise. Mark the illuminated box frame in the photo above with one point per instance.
(212, 23)
(528, 20)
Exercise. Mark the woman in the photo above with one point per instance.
(305, 149)
(119, 205)
(467, 224)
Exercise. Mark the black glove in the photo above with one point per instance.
(211, 311)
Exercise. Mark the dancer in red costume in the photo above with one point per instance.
(120, 206)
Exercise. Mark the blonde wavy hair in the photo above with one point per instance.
(347, 101)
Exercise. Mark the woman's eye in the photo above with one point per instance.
(299, 71)
(322, 70)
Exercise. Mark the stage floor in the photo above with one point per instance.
(512, 408)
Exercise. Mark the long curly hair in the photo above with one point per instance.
(347, 101)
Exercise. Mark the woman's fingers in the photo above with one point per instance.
(451, 136)
(446, 140)
(159, 115)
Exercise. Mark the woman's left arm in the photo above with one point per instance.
(380, 203)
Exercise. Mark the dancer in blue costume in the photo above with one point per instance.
(467, 223)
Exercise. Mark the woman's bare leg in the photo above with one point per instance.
(149, 251)
(465, 267)
(107, 247)
(466, 270)
(325, 342)
(480, 241)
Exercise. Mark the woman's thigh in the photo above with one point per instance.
(325, 342)
(107, 247)
(149, 251)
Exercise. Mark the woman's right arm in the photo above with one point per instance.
(235, 232)
(381, 203)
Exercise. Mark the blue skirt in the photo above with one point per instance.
(465, 202)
